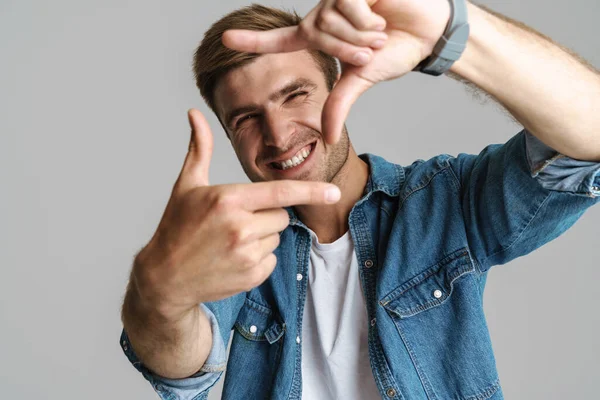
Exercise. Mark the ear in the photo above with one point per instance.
(337, 79)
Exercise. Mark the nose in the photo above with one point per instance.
(277, 129)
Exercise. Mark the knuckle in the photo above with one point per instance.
(361, 25)
(233, 238)
(244, 261)
(236, 235)
(325, 20)
(283, 193)
(304, 31)
(224, 200)
(343, 5)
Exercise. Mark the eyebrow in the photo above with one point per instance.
(300, 83)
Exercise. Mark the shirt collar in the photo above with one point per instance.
(384, 176)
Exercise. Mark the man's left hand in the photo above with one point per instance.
(344, 28)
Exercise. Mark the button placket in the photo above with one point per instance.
(366, 253)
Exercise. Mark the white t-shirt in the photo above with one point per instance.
(335, 355)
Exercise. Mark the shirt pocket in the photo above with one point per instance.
(255, 350)
(439, 317)
(259, 323)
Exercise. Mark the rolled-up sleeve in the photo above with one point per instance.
(519, 195)
(558, 172)
(222, 315)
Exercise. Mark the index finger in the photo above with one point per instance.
(285, 193)
(280, 40)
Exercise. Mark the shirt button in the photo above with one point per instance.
(437, 293)
(391, 392)
(299, 277)
(368, 263)
(253, 329)
(297, 339)
(373, 321)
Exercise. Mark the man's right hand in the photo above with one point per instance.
(216, 241)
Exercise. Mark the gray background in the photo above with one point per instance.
(93, 133)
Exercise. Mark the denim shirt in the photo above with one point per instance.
(425, 236)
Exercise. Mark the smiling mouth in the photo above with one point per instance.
(296, 159)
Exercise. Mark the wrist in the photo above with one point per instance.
(152, 299)
(451, 44)
(143, 304)
(483, 38)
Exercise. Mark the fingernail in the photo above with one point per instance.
(361, 57)
(332, 194)
(378, 43)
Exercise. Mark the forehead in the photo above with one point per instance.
(254, 82)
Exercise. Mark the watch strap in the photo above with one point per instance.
(451, 45)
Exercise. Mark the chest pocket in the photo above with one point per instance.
(439, 318)
(259, 323)
(256, 350)
(431, 288)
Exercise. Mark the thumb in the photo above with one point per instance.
(197, 162)
(338, 104)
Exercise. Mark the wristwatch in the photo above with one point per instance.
(452, 43)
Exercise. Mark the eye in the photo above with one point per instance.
(294, 95)
(244, 118)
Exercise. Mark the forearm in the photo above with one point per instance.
(170, 348)
(552, 93)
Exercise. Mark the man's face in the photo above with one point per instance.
(271, 109)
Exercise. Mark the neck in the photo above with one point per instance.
(330, 222)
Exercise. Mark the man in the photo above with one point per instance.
(347, 276)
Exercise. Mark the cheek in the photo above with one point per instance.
(311, 115)
(247, 151)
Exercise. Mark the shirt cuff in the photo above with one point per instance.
(185, 388)
(555, 171)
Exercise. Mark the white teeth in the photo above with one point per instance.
(297, 159)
